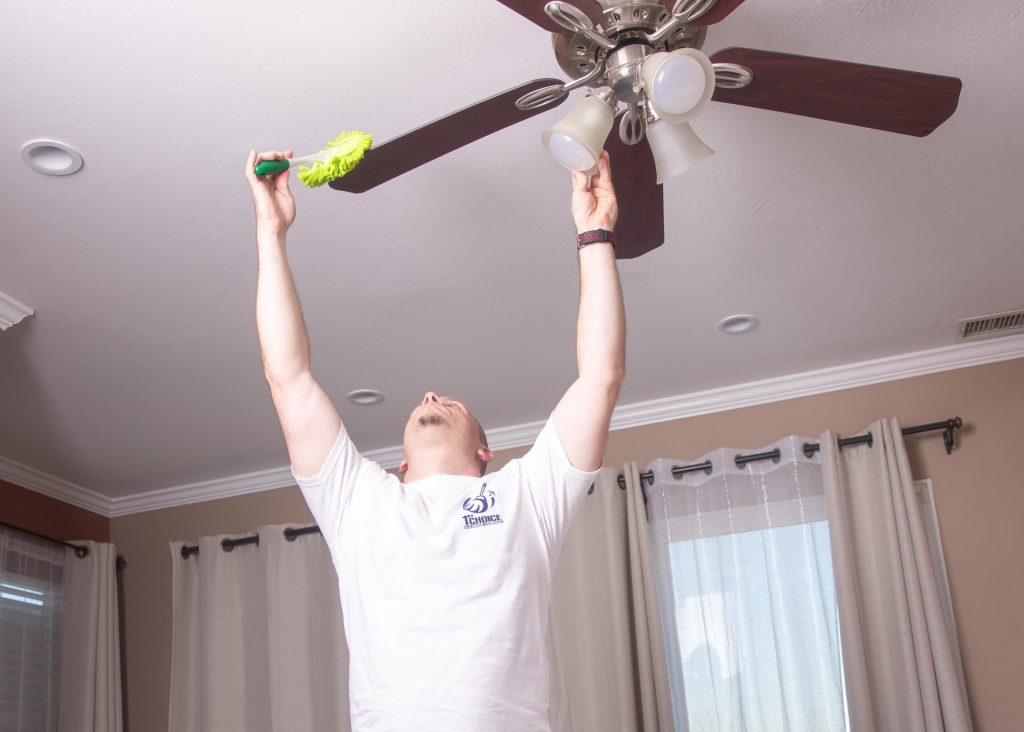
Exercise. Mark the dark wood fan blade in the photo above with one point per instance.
(534, 10)
(717, 13)
(893, 100)
(641, 224)
(440, 137)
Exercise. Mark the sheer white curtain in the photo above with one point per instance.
(258, 640)
(31, 597)
(899, 648)
(90, 667)
(747, 596)
(606, 666)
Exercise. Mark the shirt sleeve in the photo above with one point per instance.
(556, 489)
(329, 494)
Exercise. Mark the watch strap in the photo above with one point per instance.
(594, 236)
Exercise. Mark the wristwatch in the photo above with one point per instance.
(594, 236)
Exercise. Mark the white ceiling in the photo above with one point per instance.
(140, 368)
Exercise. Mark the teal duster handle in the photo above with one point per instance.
(270, 167)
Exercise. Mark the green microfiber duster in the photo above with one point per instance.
(339, 156)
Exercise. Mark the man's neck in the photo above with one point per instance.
(425, 467)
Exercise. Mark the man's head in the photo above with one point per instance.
(442, 436)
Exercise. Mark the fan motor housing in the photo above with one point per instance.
(627, 24)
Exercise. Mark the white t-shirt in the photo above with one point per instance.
(445, 586)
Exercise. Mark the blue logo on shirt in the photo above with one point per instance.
(480, 503)
(477, 506)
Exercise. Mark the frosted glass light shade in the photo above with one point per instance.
(576, 142)
(676, 148)
(678, 84)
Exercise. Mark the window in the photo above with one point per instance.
(744, 574)
(31, 597)
(756, 630)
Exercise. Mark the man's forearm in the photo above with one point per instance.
(601, 327)
(284, 344)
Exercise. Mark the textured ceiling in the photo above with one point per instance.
(140, 368)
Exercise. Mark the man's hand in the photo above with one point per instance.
(593, 202)
(271, 197)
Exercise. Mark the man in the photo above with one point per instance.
(445, 575)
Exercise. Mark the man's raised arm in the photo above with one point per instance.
(308, 418)
(584, 413)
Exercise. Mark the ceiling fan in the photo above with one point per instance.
(612, 48)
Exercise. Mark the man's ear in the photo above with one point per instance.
(403, 467)
(484, 454)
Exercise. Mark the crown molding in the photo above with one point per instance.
(204, 490)
(50, 485)
(793, 386)
(809, 383)
(12, 311)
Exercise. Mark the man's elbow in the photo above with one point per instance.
(283, 379)
(618, 375)
(615, 384)
(612, 374)
(606, 382)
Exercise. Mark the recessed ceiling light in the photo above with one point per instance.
(736, 324)
(51, 157)
(365, 397)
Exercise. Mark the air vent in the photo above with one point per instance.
(991, 326)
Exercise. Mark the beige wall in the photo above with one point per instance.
(979, 492)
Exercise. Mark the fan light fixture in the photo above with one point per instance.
(678, 84)
(576, 142)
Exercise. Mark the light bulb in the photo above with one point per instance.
(570, 153)
(678, 84)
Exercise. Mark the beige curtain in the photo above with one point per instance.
(258, 641)
(604, 638)
(90, 673)
(898, 659)
(652, 667)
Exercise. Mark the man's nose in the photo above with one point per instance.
(431, 397)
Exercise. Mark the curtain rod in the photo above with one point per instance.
(678, 471)
(81, 550)
(809, 449)
(227, 545)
